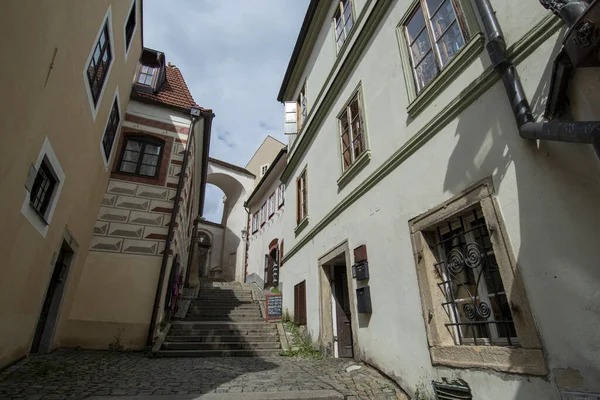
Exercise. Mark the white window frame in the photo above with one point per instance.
(137, 22)
(345, 34)
(280, 195)
(351, 134)
(290, 120)
(271, 205)
(42, 223)
(255, 218)
(263, 169)
(108, 158)
(106, 20)
(263, 214)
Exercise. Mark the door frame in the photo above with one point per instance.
(326, 321)
(54, 313)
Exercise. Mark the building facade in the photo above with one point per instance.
(433, 241)
(67, 87)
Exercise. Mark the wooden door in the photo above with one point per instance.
(343, 314)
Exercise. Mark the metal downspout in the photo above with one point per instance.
(572, 132)
(165, 258)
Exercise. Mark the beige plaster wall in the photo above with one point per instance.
(265, 154)
(39, 102)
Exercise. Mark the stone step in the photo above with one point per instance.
(223, 318)
(222, 325)
(249, 307)
(224, 297)
(237, 313)
(221, 346)
(211, 338)
(219, 353)
(221, 332)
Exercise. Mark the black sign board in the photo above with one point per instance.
(274, 306)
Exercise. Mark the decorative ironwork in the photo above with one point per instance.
(476, 301)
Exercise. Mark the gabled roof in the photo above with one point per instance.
(173, 92)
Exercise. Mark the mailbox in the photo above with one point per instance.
(360, 271)
(363, 299)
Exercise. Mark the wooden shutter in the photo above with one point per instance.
(300, 303)
(290, 126)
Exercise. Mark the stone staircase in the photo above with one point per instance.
(224, 320)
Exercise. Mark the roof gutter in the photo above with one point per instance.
(571, 132)
(171, 231)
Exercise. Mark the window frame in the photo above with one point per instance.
(345, 33)
(263, 214)
(104, 49)
(271, 207)
(152, 76)
(526, 359)
(346, 111)
(46, 168)
(473, 46)
(255, 218)
(128, 41)
(301, 197)
(145, 140)
(301, 108)
(280, 195)
(107, 157)
(266, 168)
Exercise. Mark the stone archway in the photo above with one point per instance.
(227, 246)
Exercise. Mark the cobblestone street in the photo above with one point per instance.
(84, 374)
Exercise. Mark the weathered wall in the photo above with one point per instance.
(41, 102)
(547, 193)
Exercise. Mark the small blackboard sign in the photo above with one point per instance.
(274, 306)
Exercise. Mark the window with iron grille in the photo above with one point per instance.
(130, 25)
(111, 129)
(343, 20)
(352, 131)
(141, 156)
(99, 64)
(43, 188)
(435, 33)
(473, 299)
(146, 75)
(476, 302)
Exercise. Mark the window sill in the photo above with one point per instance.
(301, 225)
(502, 359)
(441, 82)
(354, 169)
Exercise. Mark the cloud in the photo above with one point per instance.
(233, 55)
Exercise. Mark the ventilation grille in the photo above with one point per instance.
(455, 390)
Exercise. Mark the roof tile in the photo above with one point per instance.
(174, 91)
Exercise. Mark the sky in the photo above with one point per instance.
(233, 55)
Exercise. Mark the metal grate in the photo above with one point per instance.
(455, 390)
(476, 302)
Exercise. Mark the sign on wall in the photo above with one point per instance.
(274, 303)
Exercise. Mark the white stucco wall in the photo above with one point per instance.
(216, 236)
(548, 193)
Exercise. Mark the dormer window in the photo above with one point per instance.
(146, 75)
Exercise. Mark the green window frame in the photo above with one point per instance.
(437, 39)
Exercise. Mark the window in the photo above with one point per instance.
(434, 34)
(301, 198)
(111, 129)
(300, 303)
(280, 195)
(471, 289)
(263, 214)
(271, 205)
(255, 222)
(146, 75)
(141, 156)
(130, 26)
(263, 169)
(352, 132)
(99, 64)
(43, 188)
(301, 108)
(343, 21)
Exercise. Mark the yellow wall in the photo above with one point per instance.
(265, 154)
(36, 104)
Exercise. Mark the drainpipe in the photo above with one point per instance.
(572, 132)
(170, 234)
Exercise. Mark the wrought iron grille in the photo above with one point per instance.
(455, 390)
(476, 302)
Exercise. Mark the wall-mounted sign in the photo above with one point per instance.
(274, 304)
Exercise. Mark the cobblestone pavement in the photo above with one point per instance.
(83, 373)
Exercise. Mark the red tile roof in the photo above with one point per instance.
(174, 92)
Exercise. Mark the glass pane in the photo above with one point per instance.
(134, 145)
(148, 79)
(128, 167)
(450, 43)
(345, 139)
(443, 19)
(432, 5)
(347, 160)
(426, 71)
(132, 156)
(90, 71)
(105, 57)
(357, 145)
(102, 37)
(420, 47)
(96, 57)
(339, 30)
(415, 25)
(152, 149)
(349, 23)
(147, 170)
(150, 159)
(144, 69)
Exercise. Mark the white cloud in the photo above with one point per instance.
(233, 55)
